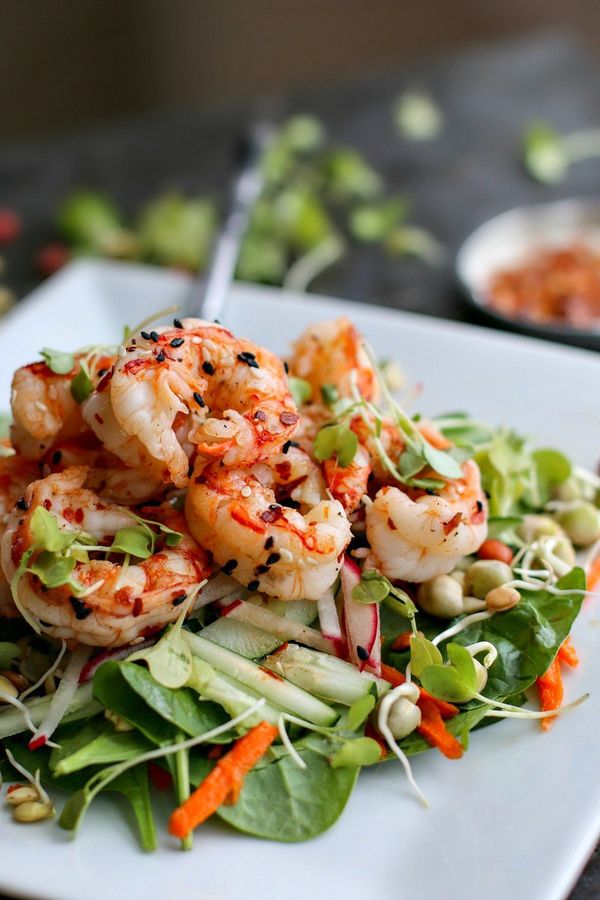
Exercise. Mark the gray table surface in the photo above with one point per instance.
(489, 95)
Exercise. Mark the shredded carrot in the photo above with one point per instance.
(225, 782)
(593, 577)
(551, 691)
(433, 729)
(568, 654)
(401, 642)
(389, 673)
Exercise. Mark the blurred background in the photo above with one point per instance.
(70, 62)
(403, 127)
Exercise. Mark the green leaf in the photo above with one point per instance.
(101, 748)
(441, 462)
(112, 690)
(8, 653)
(545, 155)
(422, 654)
(502, 527)
(172, 538)
(169, 660)
(336, 440)
(52, 570)
(135, 540)
(551, 468)
(409, 463)
(358, 713)
(329, 393)
(58, 362)
(81, 386)
(46, 532)
(371, 589)
(281, 802)
(456, 682)
(361, 751)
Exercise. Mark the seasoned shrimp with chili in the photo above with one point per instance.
(16, 474)
(264, 545)
(415, 538)
(43, 407)
(106, 603)
(189, 388)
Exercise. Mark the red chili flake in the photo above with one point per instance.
(271, 674)
(10, 226)
(37, 743)
(216, 752)
(68, 514)
(284, 470)
(103, 384)
(391, 525)
(51, 258)
(288, 418)
(138, 607)
(79, 516)
(47, 504)
(99, 418)
(453, 523)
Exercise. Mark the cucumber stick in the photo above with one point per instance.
(275, 689)
(82, 706)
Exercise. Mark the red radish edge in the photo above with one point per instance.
(90, 667)
(361, 622)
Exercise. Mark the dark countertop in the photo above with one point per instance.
(489, 95)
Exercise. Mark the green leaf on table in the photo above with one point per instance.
(58, 362)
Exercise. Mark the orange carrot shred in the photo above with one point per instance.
(401, 642)
(389, 673)
(551, 691)
(568, 654)
(225, 782)
(433, 729)
(593, 578)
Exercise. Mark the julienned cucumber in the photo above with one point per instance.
(82, 706)
(274, 688)
(241, 638)
(229, 694)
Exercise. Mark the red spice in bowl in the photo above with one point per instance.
(555, 286)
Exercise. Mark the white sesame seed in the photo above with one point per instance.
(285, 555)
(246, 491)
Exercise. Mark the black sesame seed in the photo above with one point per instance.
(160, 357)
(289, 444)
(154, 336)
(102, 373)
(260, 570)
(56, 457)
(153, 503)
(253, 585)
(273, 558)
(286, 367)
(291, 504)
(79, 608)
(249, 359)
(177, 601)
(208, 368)
(362, 653)
(177, 342)
(229, 566)
(22, 504)
(479, 505)
(145, 335)
(177, 323)
(199, 399)
(269, 542)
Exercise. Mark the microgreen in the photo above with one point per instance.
(329, 393)
(455, 682)
(8, 653)
(548, 154)
(376, 588)
(361, 751)
(423, 654)
(81, 385)
(170, 660)
(299, 389)
(58, 362)
(336, 440)
(134, 540)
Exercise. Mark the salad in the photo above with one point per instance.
(239, 580)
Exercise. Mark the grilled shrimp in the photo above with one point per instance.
(107, 474)
(417, 539)
(117, 604)
(43, 408)
(348, 484)
(264, 545)
(16, 474)
(225, 396)
(296, 479)
(327, 354)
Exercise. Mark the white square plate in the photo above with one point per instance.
(518, 816)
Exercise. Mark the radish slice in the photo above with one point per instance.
(284, 629)
(61, 699)
(361, 623)
(330, 623)
(89, 669)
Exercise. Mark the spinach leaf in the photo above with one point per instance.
(282, 802)
(528, 636)
(181, 708)
(103, 747)
(112, 690)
